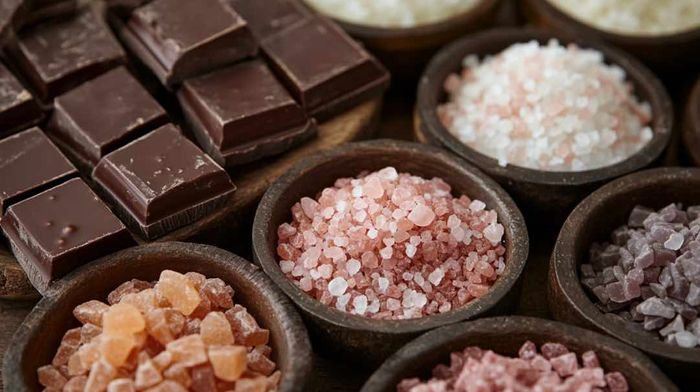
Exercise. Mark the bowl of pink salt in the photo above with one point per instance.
(627, 262)
(162, 317)
(519, 354)
(549, 118)
(379, 241)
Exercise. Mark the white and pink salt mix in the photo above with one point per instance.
(386, 245)
(546, 107)
(553, 368)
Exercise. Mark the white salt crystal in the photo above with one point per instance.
(337, 286)
(353, 266)
(360, 304)
(410, 250)
(383, 284)
(286, 266)
(674, 241)
(436, 276)
(372, 233)
(342, 302)
(686, 339)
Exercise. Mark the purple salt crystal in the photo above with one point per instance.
(670, 213)
(693, 297)
(601, 294)
(616, 292)
(691, 267)
(626, 259)
(620, 236)
(680, 286)
(674, 241)
(645, 259)
(631, 289)
(609, 257)
(665, 277)
(663, 256)
(656, 307)
(652, 323)
(646, 292)
(674, 326)
(638, 215)
(608, 275)
(652, 274)
(636, 316)
(693, 212)
(694, 327)
(658, 289)
(587, 271)
(636, 275)
(660, 234)
(619, 273)
(590, 283)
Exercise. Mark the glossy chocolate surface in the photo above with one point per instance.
(266, 18)
(58, 55)
(162, 176)
(18, 109)
(179, 39)
(104, 114)
(60, 229)
(241, 104)
(30, 163)
(332, 67)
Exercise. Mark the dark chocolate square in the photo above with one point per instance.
(61, 229)
(18, 109)
(102, 115)
(163, 181)
(325, 69)
(62, 53)
(29, 164)
(242, 113)
(269, 17)
(180, 39)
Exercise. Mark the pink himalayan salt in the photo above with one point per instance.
(474, 369)
(392, 246)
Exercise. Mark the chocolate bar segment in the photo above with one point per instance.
(162, 181)
(61, 229)
(180, 39)
(29, 164)
(325, 69)
(102, 115)
(269, 17)
(243, 113)
(9, 12)
(42, 10)
(60, 54)
(18, 109)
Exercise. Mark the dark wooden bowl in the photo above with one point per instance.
(505, 335)
(593, 220)
(666, 53)
(356, 337)
(37, 339)
(537, 192)
(406, 50)
(691, 126)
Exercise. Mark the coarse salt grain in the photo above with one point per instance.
(392, 13)
(417, 251)
(546, 107)
(635, 17)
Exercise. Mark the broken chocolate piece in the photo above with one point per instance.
(60, 229)
(18, 109)
(242, 113)
(332, 74)
(180, 39)
(102, 115)
(29, 164)
(269, 17)
(60, 54)
(162, 181)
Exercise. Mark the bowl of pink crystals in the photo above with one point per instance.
(379, 241)
(549, 118)
(627, 262)
(516, 354)
(164, 317)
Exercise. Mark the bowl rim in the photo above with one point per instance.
(691, 126)
(267, 257)
(381, 379)
(618, 38)
(367, 32)
(563, 263)
(295, 333)
(427, 121)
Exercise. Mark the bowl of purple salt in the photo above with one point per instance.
(547, 117)
(518, 354)
(627, 262)
(377, 242)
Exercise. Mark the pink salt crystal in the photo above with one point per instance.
(421, 216)
(121, 319)
(565, 365)
(216, 330)
(75, 384)
(494, 233)
(309, 206)
(90, 312)
(528, 350)
(116, 348)
(259, 361)
(553, 350)
(51, 378)
(179, 374)
(203, 379)
(196, 278)
(228, 362)
(163, 360)
(132, 286)
(179, 291)
(75, 366)
(147, 375)
(257, 384)
(616, 382)
(373, 188)
(69, 345)
(89, 332)
(590, 359)
(121, 385)
(188, 350)
(167, 386)
(101, 373)
(219, 293)
(246, 330)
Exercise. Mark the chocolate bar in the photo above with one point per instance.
(42, 10)
(9, 12)
(18, 109)
(162, 181)
(60, 54)
(242, 113)
(325, 69)
(180, 39)
(29, 164)
(60, 229)
(266, 18)
(102, 115)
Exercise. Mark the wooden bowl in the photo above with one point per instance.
(538, 192)
(406, 50)
(38, 337)
(691, 126)
(662, 53)
(592, 221)
(505, 335)
(356, 337)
